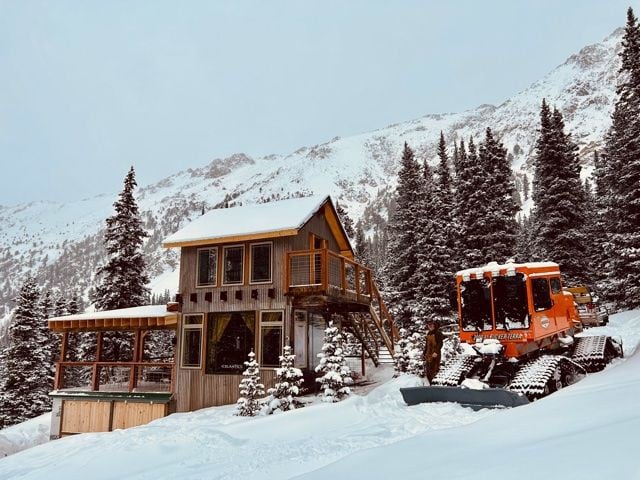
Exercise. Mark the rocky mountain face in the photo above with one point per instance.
(62, 242)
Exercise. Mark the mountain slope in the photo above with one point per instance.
(62, 241)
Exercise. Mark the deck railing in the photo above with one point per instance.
(126, 377)
(324, 271)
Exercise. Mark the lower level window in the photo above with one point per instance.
(192, 341)
(230, 338)
(270, 338)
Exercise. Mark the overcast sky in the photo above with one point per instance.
(88, 88)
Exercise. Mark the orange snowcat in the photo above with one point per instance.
(517, 332)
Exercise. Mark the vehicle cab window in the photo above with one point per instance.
(541, 294)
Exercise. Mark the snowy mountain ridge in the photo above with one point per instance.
(61, 242)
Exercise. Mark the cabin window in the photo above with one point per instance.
(271, 338)
(541, 294)
(230, 338)
(233, 265)
(192, 341)
(556, 286)
(207, 267)
(510, 302)
(261, 263)
(475, 298)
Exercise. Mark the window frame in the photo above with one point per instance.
(185, 327)
(269, 324)
(224, 250)
(261, 282)
(533, 294)
(215, 283)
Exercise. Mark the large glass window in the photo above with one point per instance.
(510, 302)
(541, 294)
(261, 263)
(230, 338)
(475, 298)
(233, 265)
(270, 338)
(192, 341)
(207, 267)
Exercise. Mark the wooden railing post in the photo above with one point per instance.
(136, 358)
(95, 375)
(357, 267)
(325, 270)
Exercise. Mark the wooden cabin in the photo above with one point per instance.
(251, 278)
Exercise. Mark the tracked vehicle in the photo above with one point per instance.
(517, 330)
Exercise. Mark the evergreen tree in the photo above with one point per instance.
(51, 344)
(124, 278)
(335, 373)
(470, 207)
(500, 233)
(416, 354)
(619, 173)
(26, 385)
(403, 234)
(248, 405)
(401, 356)
(559, 218)
(346, 220)
(363, 247)
(284, 395)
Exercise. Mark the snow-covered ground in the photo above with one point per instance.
(25, 435)
(585, 431)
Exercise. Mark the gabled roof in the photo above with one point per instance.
(260, 221)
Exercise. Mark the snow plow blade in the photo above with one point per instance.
(467, 397)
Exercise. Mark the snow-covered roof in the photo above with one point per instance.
(496, 267)
(281, 218)
(145, 316)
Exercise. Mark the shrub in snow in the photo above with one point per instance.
(288, 381)
(251, 389)
(336, 374)
(416, 355)
(450, 347)
(401, 357)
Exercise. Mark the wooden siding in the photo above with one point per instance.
(85, 416)
(318, 226)
(132, 414)
(196, 390)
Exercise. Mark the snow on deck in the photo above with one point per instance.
(249, 220)
(146, 311)
(586, 431)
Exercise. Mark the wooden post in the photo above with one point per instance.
(362, 360)
(357, 265)
(95, 378)
(136, 358)
(324, 270)
(64, 344)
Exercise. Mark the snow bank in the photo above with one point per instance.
(212, 443)
(25, 435)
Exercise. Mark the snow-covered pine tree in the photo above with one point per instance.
(433, 275)
(284, 395)
(416, 354)
(123, 277)
(501, 229)
(559, 220)
(401, 356)
(470, 206)
(25, 392)
(336, 374)
(51, 345)
(346, 220)
(362, 247)
(251, 390)
(619, 173)
(402, 259)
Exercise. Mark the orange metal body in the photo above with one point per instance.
(545, 326)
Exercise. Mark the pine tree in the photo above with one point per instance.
(124, 278)
(26, 385)
(619, 173)
(251, 390)
(51, 344)
(284, 395)
(346, 220)
(470, 206)
(403, 234)
(401, 357)
(416, 354)
(500, 233)
(559, 218)
(363, 247)
(336, 375)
